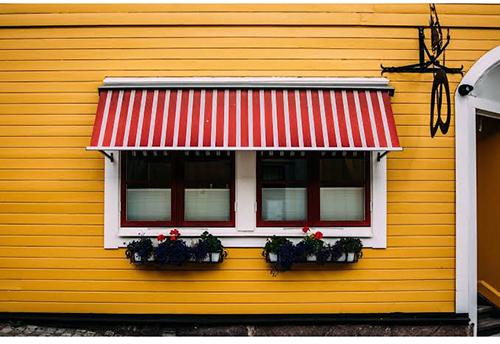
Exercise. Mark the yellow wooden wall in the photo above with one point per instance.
(53, 57)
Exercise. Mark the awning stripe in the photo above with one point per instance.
(244, 119)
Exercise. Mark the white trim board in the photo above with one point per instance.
(245, 233)
(465, 186)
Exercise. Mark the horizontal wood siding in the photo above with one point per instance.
(53, 57)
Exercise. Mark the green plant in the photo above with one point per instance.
(213, 243)
(274, 243)
(142, 249)
(352, 245)
(312, 244)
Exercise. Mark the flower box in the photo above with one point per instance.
(272, 257)
(211, 257)
(282, 254)
(175, 251)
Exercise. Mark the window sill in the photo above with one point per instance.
(256, 238)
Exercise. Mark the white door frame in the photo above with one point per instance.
(465, 172)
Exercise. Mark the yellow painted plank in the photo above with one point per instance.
(55, 218)
(335, 274)
(225, 297)
(409, 230)
(325, 31)
(420, 196)
(230, 263)
(415, 174)
(418, 185)
(421, 208)
(153, 8)
(421, 241)
(50, 196)
(52, 175)
(35, 131)
(38, 164)
(428, 164)
(244, 18)
(223, 286)
(98, 76)
(51, 208)
(427, 219)
(239, 49)
(41, 153)
(49, 185)
(51, 230)
(75, 141)
(226, 308)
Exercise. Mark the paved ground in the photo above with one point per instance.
(17, 329)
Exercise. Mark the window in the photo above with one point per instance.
(177, 189)
(316, 189)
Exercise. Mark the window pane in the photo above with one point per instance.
(342, 188)
(207, 193)
(342, 171)
(284, 204)
(206, 204)
(284, 170)
(342, 204)
(148, 204)
(214, 173)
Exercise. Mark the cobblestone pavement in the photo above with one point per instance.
(18, 329)
(108, 329)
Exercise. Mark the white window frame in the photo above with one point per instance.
(246, 233)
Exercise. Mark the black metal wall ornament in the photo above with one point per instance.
(433, 65)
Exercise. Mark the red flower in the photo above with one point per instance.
(318, 235)
(174, 234)
(160, 237)
(305, 229)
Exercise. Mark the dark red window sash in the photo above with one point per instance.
(313, 198)
(177, 198)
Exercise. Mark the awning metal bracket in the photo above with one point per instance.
(381, 155)
(108, 155)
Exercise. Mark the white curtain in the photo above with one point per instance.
(148, 204)
(206, 204)
(284, 204)
(337, 204)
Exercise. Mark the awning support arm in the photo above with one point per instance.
(108, 155)
(381, 155)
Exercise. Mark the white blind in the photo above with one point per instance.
(206, 204)
(284, 204)
(337, 204)
(148, 204)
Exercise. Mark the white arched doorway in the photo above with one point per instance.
(484, 78)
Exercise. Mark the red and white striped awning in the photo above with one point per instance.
(244, 119)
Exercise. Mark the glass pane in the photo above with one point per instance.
(284, 204)
(342, 171)
(208, 174)
(284, 170)
(342, 204)
(149, 170)
(206, 204)
(148, 204)
(137, 167)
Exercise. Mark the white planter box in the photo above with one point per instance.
(350, 257)
(311, 258)
(215, 257)
(138, 258)
(273, 257)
